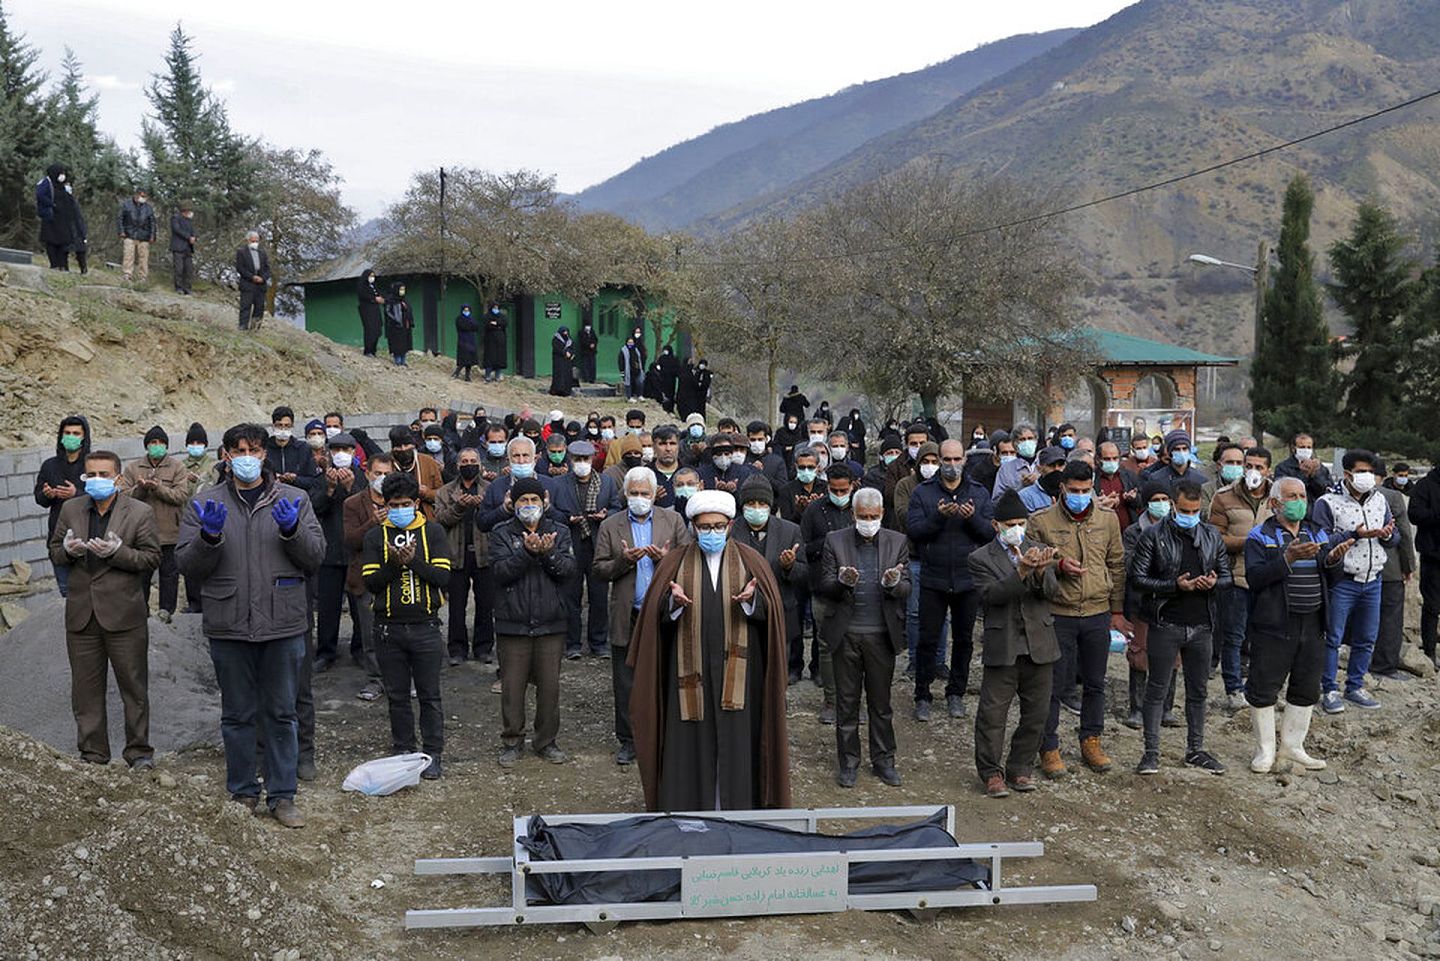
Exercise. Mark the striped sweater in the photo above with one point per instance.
(415, 591)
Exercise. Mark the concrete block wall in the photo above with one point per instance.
(24, 524)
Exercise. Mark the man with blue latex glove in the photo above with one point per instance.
(255, 571)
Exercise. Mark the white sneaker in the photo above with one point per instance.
(1332, 703)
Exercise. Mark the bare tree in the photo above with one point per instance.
(929, 293)
(301, 216)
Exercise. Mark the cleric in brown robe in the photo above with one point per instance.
(708, 706)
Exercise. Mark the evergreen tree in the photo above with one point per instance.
(1420, 370)
(1293, 386)
(22, 141)
(1373, 287)
(192, 153)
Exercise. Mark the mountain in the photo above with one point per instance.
(1169, 86)
(763, 153)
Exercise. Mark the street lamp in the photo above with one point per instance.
(1261, 273)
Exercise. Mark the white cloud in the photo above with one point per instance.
(108, 81)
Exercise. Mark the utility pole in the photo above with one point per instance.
(1262, 279)
(440, 309)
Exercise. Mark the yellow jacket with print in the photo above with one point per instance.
(412, 592)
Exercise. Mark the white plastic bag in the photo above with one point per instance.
(386, 775)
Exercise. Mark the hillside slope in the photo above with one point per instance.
(129, 359)
(1167, 86)
(762, 153)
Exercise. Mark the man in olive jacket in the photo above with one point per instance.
(254, 542)
(1015, 578)
(162, 482)
(108, 543)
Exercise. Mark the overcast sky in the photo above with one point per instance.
(582, 90)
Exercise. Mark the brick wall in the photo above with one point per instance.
(23, 523)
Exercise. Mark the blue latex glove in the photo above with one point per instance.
(287, 515)
(212, 517)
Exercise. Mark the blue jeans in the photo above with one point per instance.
(1356, 606)
(259, 680)
(62, 581)
(1234, 617)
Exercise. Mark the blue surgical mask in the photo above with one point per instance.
(1158, 509)
(100, 488)
(686, 492)
(757, 516)
(1067, 442)
(608, 433)
(1186, 521)
(496, 449)
(805, 475)
(529, 514)
(840, 501)
(1230, 473)
(697, 430)
(522, 471)
(711, 542)
(1007, 458)
(401, 516)
(1077, 503)
(245, 467)
(1026, 448)
(195, 450)
(433, 444)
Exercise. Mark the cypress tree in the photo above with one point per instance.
(1293, 386)
(22, 141)
(1373, 287)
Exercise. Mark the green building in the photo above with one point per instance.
(331, 309)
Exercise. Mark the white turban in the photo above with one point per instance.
(710, 502)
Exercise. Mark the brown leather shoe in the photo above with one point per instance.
(1051, 766)
(250, 802)
(1024, 783)
(288, 814)
(1094, 755)
(995, 786)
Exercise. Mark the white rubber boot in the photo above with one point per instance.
(1263, 721)
(1293, 728)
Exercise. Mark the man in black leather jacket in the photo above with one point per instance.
(1180, 565)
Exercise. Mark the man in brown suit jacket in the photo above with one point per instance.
(109, 544)
(1016, 580)
(640, 534)
(162, 482)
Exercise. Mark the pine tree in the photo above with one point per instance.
(193, 155)
(100, 171)
(1293, 386)
(22, 141)
(1374, 286)
(1420, 368)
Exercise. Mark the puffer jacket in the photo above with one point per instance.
(255, 580)
(530, 595)
(1156, 565)
(943, 544)
(1094, 540)
(172, 488)
(1234, 515)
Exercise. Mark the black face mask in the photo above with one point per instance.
(632, 460)
(404, 457)
(469, 471)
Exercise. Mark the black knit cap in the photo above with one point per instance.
(1152, 487)
(526, 485)
(1010, 507)
(157, 433)
(196, 435)
(757, 488)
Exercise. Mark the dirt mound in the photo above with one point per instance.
(100, 863)
(35, 683)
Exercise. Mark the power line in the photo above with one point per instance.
(1074, 208)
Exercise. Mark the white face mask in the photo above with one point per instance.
(1253, 479)
(840, 453)
(647, 454)
(331, 432)
(1141, 454)
(254, 246)
(1304, 453)
(639, 506)
(316, 441)
(1013, 535)
(342, 459)
(581, 468)
(1363, 481)
(867, 528)
(282, 433)
(927, 471)
(377, 483)
(817, 438)
(757, 447)
(721, 462)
